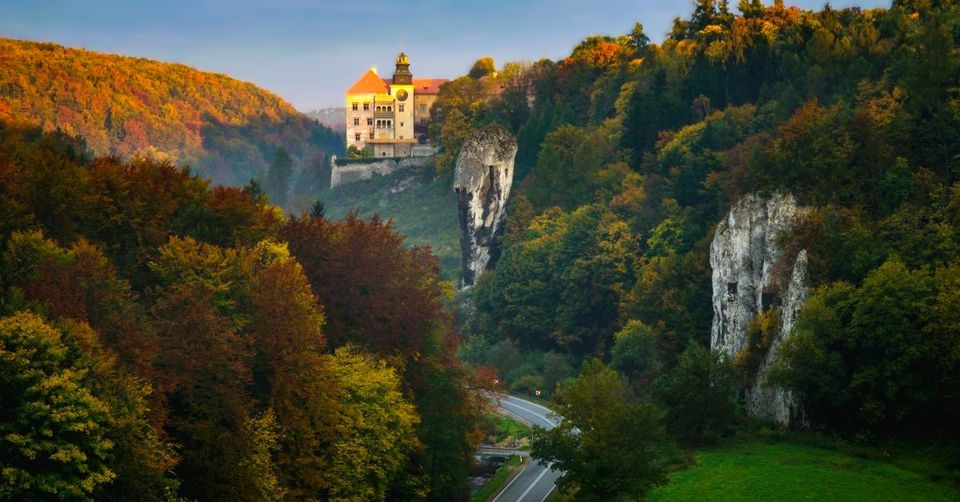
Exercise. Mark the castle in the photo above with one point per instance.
(390, 115)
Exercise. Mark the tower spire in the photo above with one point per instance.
(402, 73)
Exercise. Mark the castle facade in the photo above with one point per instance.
(390, 115)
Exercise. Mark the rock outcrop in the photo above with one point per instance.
(482, 181)
(750, 275)
(352, 171)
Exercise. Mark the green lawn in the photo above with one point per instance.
(789, 471)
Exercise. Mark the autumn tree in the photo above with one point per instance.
(289, 374)
(202, 374)
(482, 67)
(452, 136)
(377, 294)
(372, 428)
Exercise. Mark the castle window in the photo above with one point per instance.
(356, 137)
(400, 108)
(355, 106)
(356, 121)
(366, 106)
(423, 108)
(401, 124)
(369, 122)
(389, 108)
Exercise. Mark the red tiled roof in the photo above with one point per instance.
(369, 83)
(427, 85)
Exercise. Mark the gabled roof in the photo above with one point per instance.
(369, 83)
(428, 85)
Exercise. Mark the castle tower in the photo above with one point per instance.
(402, 90)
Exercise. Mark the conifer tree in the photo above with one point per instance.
(277, 182)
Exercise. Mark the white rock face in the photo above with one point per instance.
(482, 181)
(750, 275)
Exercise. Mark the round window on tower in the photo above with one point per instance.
(402, 95)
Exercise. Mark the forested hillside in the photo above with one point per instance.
(164, 340)
(632, 151)
(222, 128)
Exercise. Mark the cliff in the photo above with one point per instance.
(482, 180)
(751, 275)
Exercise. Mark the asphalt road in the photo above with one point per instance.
(535, 482)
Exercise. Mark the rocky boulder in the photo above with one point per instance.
(482, 180)
(751, 275)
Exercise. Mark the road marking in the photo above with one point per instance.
(551, 422)
(531, 403)
(515, 478)
(546, 469)
(552, 488)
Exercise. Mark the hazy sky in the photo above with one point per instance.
(310, 51)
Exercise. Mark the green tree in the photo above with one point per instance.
(699, 395)
(53, 430)
(638, 38)
(606, 445)
(634, 354)
(318, 209)
(567, 169)
(875, 367)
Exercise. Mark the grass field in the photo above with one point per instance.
(789, 471)
(423, 208)
(506, 432)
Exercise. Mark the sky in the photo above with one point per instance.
(310, 51)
